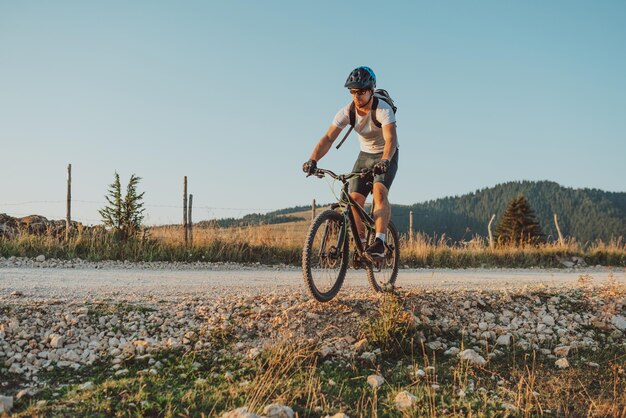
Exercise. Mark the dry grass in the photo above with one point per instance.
(282, 243)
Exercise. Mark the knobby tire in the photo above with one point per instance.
(316, 265)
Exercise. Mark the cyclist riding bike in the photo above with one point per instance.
(379, 151)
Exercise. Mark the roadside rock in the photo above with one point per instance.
(6, 404)
(405, 400)
(562, 351)
(504, 340)
(375, 381)
(278, 411)
(562, 363)
(473, 357)
(619, 322)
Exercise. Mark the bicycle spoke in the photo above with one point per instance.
(382, 274)
(325, 256)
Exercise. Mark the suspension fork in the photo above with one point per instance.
(340, 238)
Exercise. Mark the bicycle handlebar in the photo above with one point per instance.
(321, 172)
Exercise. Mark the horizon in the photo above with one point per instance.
(236, 98)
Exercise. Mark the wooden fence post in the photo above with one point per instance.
(185, 209)
(411, 225)
(558, 230)
(489, 229)
(313, 210)
(68, 214)
(189, 222)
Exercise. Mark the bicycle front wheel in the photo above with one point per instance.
(325, 255)
(382, 274)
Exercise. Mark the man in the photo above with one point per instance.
(379, 150)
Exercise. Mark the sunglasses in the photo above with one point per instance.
(359, 92)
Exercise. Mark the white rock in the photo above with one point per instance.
(562, 351)
(548, 320)
(504, 340)
(122, 372)
(40, 258)
(278, 411)
(87, 386)
(405, 400)
(435, 345)
(619, 322)
(375, 380)
(325, 351)
(6, 404)
(452, 351)
(562, 363)
(15, 368)
(473, 357)
(56, 341)
(254, 352)
(368, 357)
(22, 393)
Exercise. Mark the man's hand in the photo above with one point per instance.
(309, 167)
(381, 167)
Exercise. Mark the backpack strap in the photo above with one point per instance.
(373, 112)
(352, 115)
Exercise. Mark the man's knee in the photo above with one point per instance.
(380, 194)
(360, 199)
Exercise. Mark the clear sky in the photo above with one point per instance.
(236, 94)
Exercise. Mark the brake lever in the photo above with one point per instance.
(365, 172)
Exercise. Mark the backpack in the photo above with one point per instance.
(379, 94)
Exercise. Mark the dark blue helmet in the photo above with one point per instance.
(361, 78)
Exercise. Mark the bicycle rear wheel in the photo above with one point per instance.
(382, 274)
(325, 256)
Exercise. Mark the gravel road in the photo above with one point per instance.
(59, 280)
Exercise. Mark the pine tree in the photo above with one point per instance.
(112, 213)
(518, 224)
(133, 208)
(124, 217)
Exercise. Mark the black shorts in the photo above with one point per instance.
(366, 160)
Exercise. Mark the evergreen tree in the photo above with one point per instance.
(124, 217)
(518, 224)
(132, 208)
(112, 213)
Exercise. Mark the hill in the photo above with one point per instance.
(585, 214)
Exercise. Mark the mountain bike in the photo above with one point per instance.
(327, 253)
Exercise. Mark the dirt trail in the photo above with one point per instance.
(106, 281)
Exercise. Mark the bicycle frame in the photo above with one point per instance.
(348, 214)
(365, 218)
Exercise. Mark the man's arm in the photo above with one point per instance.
(391, 141)
(325, 143)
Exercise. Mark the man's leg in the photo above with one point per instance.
(360, 199)
(382, 209)
(382, 213)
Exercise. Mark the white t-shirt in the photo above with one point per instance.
(370, 136)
